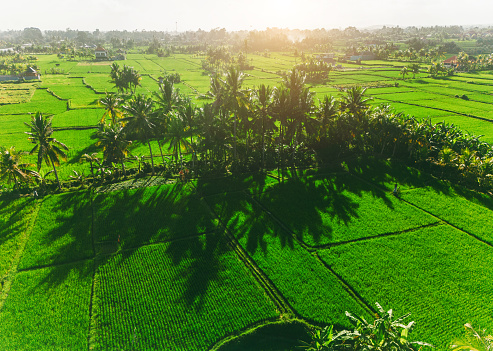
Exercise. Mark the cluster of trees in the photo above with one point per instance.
(274, 127)
(268, 127)
(16, 64)
(125, 79)
(47, 148)
(316, 71)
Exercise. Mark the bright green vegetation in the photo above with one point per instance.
(423, 97)
(47, 309)
(149, 215)
(313, 291)
(438, 274)
(319, 243)
(62, 232)
(168, 275)
(472, 218)
(16, 93)
(42, 101)
(15, 217)
(339, 208)
(186, 295)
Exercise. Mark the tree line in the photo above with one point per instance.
(258, 129)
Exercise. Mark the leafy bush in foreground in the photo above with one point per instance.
(384, 333)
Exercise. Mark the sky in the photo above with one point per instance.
(166, 15)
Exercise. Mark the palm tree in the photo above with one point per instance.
(355, 101)
(111, 102)
(188, 114)
(281, 109)
(232, 84)
(263, 100)
(414, 68)
(141, 119)
(49, 149)
(404, 72)
(177, 135)
(90, 158)
(12, 170)
(115, 144)
(327, 112)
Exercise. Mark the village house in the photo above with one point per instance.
(327, 57)
(450, 62)
(363, 56)
(30, 73)
(101, 53)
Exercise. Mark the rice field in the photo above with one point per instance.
(189, 265)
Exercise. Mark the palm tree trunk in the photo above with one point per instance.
(263, 143)
(161, 151)
(56, 174)
(234, 137)
(150, 151)
(123, 168)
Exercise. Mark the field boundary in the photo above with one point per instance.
(268, 286)
(4, 293)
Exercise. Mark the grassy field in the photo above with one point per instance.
(190, 265)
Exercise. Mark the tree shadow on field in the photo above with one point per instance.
(301, 204)
(386, 173)
(12, 227)
(250, 182)
(61, 235)
(134, 217)
(76, 158)
(204, 266)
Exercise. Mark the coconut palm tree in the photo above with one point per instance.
(355, 101)
(414, 68)
(404, 72)
(188, 114)
(115, 144)
(328, 110)
(111, 103)
(263, 96)
(49, 149)
(92, 158)
(235, 95)
(140, 119)
(177, 135)
(12, 170)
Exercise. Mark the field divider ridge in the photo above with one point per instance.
(264, 281)
(428, 212)
(440, 109)
(346, 286)
(4, 292)
(450, 224)
(383, 235)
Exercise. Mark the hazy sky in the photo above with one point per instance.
(235, 15)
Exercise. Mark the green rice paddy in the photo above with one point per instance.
(185, 266)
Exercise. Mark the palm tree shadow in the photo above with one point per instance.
(203, 266)
(301, 206)
(67, 241)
